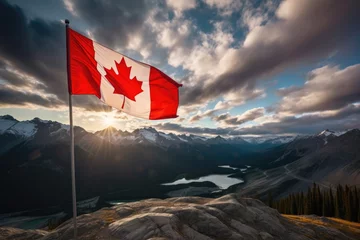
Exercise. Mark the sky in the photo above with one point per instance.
(248, 67)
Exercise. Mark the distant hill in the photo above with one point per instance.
(326, 158)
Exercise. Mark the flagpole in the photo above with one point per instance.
(67, 22)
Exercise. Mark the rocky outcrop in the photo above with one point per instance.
(228, 217)
(19, 234)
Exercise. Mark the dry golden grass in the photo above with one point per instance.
(108, 215)
(342, 221)
(340, 224)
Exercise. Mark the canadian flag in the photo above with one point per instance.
(133, 87)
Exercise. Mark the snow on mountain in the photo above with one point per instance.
(327, 135)
(270, 139)
(149, 134)
(200, 138)
(183, 139)
(59, 131)
(328, 132)
(5, 124)
(10, 125)
(281, 140)
(216, 139)
(168, 137)
(25, 129)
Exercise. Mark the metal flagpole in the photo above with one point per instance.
(71, 133)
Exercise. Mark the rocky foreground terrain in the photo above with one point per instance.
(228, 217)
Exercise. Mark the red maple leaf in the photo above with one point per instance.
(122, 83)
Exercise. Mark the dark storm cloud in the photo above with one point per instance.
(346, 118)
(11, 77)
(110, 21)
(35, 48)
(247, 116)
(222, 117)
(10, 96)
(208, 113)
(304, 30)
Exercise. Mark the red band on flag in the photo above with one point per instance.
(164, 95)
(85, 78)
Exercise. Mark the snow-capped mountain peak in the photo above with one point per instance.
(149, 134)
(270, 139)
(10, 125)
(328, 132)
(58, 131)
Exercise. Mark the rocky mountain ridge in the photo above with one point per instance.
(38, 151)
(325, 159)
(27, 129)
(186, 218)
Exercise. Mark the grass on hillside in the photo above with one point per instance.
(340, 224)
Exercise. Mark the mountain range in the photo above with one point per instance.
(28, 129)
(328, 158)
(115, 164)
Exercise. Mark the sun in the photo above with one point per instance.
(108, 121)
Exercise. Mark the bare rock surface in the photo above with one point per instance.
(19, 234)
(187, 218)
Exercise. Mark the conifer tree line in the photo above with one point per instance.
(343, 203)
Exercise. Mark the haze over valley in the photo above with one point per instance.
(117, 165)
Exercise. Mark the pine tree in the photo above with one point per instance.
(313, 199)
(307, 209)
(344, 203)
(348, 203)
(339, 202)
(293, 209)
(325, 204)
(318, 201)
(331, 204)
(355, 206)
(301, 204)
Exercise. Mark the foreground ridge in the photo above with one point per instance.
(227, 217)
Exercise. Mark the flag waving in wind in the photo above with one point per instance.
(133, 87)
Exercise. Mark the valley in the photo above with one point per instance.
(115, 166)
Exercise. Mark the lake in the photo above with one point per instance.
(223, 181)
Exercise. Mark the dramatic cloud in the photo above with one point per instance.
(230, 100)
(11, 97)
(303, 30)
(326, 88)
(180, 6)
(13, 77)
(252, 16)
(346, 118)
(247, 116)
(200, 115)
(225, 7)
(32, 54)
(110, 21)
